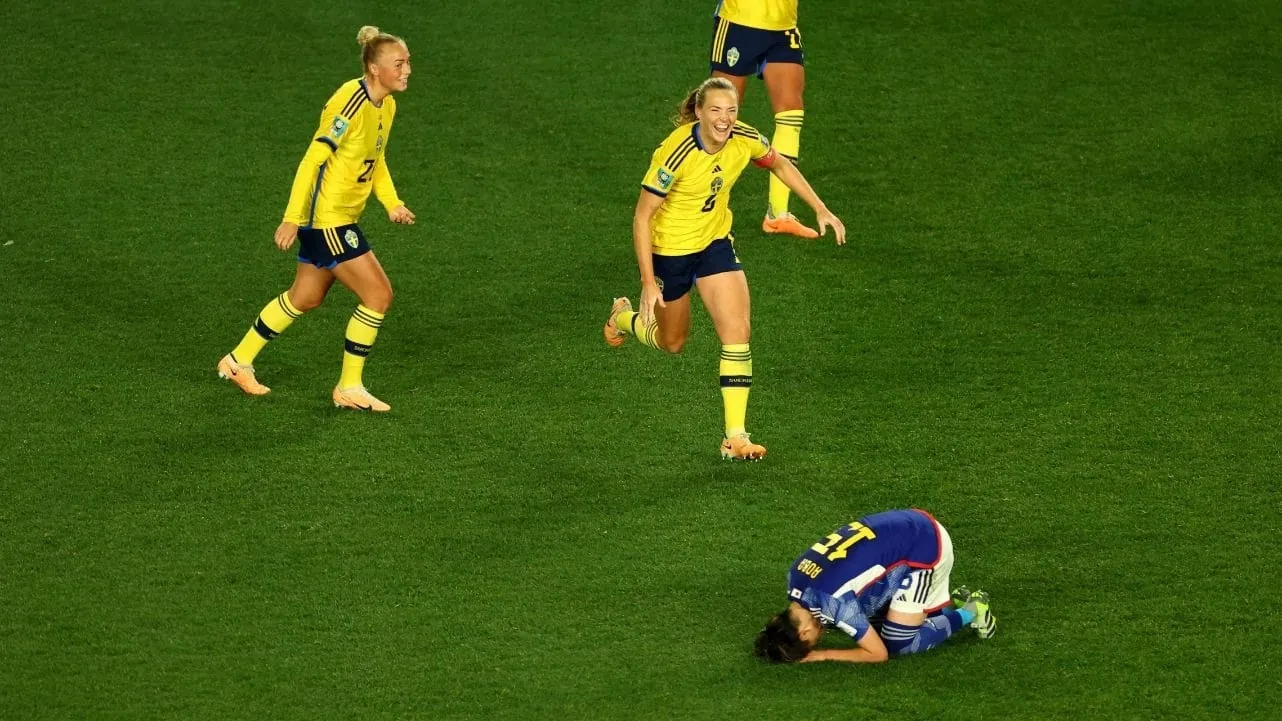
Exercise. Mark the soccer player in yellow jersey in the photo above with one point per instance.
(343, 164)
(760, 37)
(681, 234)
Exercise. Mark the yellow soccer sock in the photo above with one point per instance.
(787, 142)
(736, 381)
(275, 318)
(630, 322)
(362, 329)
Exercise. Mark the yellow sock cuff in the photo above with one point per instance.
(787, 139)
(276, 317)
(736, 366)
(362, 329)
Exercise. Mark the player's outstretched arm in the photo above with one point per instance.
(871, 650)
(788, 174)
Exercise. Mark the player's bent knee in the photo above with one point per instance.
(379, 301)
(304, 302)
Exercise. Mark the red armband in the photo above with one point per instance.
(767, 160)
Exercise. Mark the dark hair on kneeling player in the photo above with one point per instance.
(779, 641)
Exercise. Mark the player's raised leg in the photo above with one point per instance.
(785, 84)
(726, 297)
(309, 289)
(364, 276)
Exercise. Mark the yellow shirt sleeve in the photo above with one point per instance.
(758, 145)
(333, 127)
(665, 164)
(306, 183)
(384, 189)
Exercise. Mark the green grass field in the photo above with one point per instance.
(1057, 325)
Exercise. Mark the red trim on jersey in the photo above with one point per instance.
(767, 160)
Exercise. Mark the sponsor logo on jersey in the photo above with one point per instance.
(664, 178)
(732, 56)
(351, 238)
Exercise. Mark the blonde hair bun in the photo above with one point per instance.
(366, 35)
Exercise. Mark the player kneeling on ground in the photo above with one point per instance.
(896, 562)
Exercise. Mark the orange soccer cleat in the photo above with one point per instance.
(739, 448)
(613, 336)
(787, 223)
(241, 375)
(359, 399)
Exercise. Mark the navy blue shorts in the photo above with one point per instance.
(677, 273)
(740, 50)
(327, 247)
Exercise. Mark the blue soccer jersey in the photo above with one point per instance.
(852, 573)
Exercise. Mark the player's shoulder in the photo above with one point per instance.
(349, 98)
(745, 131)
(677, 146)
(680, 135)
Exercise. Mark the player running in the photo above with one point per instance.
(342, 165)
(682, 238)
(896, 563)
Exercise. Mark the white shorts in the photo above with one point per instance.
(926, 589)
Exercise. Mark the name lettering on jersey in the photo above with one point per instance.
(664, 179)
(810, 568)
(732, 56)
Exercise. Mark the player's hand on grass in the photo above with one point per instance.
(650, 295)
(827, 220)
(813, 656)
(401, 214)
(286, 234)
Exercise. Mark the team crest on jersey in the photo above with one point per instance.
(351, 238)
(732, 56)
(338, 128)
(664, 178)
(716, 185)
(378, 144)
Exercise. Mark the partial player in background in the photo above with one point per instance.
(344, 162)
(894, 562)
(760, 37)
(682, 238)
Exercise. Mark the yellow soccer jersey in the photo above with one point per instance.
(345, 161)
(695, 186)
(762, 14)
